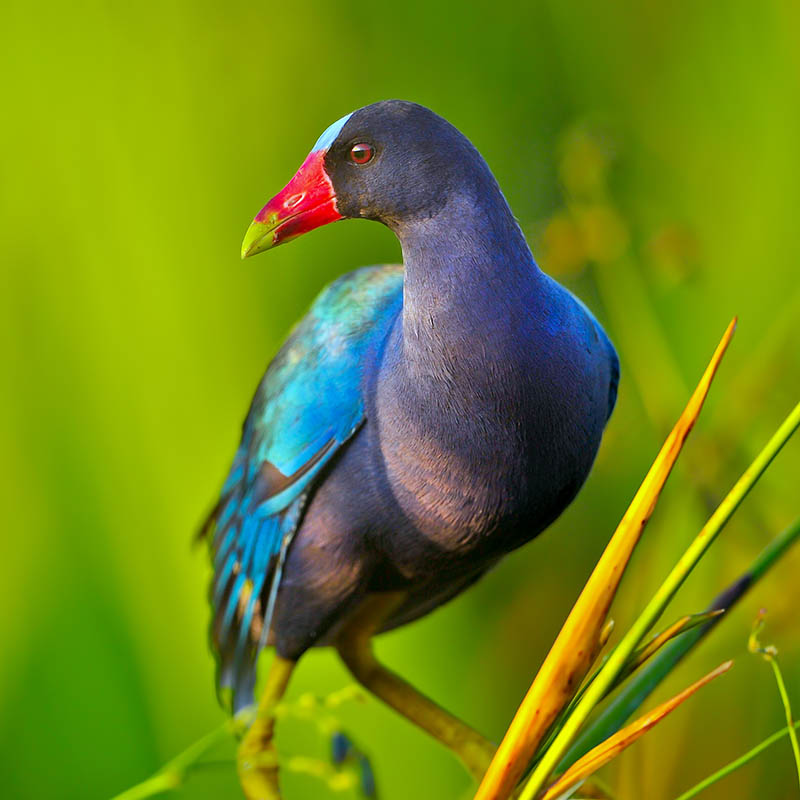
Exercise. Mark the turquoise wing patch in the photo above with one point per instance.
(307, 406)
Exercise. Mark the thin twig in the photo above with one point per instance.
(770, 654)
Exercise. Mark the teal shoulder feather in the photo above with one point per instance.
(308, 404)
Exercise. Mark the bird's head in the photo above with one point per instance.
(389, 161)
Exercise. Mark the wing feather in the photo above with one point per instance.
(307, 406)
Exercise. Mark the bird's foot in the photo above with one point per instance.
(257, 759)
(257, 762)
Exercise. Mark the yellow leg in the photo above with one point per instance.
(355, 648)
(256, 759)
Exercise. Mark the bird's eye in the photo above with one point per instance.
(361, 153)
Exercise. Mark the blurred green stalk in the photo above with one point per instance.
(172, 774)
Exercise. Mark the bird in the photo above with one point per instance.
(422, 421)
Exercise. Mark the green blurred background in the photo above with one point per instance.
(650, 151)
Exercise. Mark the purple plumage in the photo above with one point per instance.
(420, 422)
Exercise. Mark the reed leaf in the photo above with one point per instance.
(609, 749)
(653, 610)
(644, 682)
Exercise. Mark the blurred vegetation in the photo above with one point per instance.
(649, 151)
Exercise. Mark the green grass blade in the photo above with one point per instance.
(770, 654)
(687, 623)
(173, 773)
(737, 763)
(657, 604)
(644, 682)
(788, 709)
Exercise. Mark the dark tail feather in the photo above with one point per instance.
(208, 524)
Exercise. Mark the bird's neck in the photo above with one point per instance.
(471, 284)
(465, 374)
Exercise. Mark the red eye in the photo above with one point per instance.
(361, 153)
